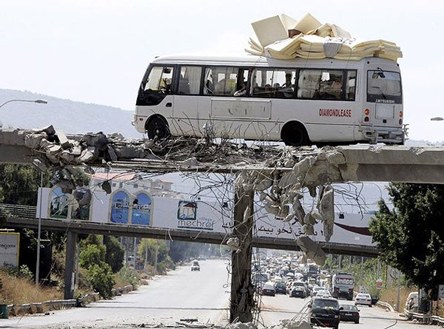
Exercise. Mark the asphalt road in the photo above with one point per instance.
(282, 307)
(182, 294)
(192, 297)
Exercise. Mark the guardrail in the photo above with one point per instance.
(424, 318)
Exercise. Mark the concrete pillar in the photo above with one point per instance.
(70, 263)
(242, 291)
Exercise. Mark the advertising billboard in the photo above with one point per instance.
(9, 249)
(140, 208)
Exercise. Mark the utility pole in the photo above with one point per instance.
(242, 291)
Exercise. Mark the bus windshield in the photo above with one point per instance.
(384, 87)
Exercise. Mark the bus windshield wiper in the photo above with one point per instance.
(381, 72)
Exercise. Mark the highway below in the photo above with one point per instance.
(198, 298)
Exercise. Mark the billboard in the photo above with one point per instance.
(140, 208)
(9, 249)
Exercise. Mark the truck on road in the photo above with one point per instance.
(342, 285)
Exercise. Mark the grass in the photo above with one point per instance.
(22, 290)
(390, 295)
(16, 290)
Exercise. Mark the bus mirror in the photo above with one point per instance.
(166, 70)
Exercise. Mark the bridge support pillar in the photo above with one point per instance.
(70, 263)
(242, 291)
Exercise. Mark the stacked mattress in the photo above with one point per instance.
(282, 37)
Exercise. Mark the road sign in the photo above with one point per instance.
(378, 284)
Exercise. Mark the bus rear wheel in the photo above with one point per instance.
(157, 128)
(294, 134)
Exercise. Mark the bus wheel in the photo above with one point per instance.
(157, 128)
(294, 134)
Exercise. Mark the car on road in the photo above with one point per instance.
(324, 312)
(323, 293)
(195, 266)
(315, 290)
(280, 287)
(411, 305)
(348, 312)
(363, 299)
(298, 291)
(268, 289)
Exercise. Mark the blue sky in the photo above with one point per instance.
(97, 51)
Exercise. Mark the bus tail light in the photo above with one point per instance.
(366, 115)
(400, 117)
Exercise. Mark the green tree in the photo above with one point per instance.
(181, 250)
(411, 235)
(155, 253)
(114, 254)
(19, 184)
(99, 273)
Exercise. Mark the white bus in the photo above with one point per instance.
(299, 102)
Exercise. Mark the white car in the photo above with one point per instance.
(195, 266)
(363, 299)
(315, 290)
(324, 293)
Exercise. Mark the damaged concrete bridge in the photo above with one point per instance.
(276, 173)
(340, 164)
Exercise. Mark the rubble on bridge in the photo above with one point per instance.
(278, 173)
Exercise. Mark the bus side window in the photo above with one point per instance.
(159, 80)
(189, 80)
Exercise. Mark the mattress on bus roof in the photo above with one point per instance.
(316, 41)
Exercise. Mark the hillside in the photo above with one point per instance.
(69, 116)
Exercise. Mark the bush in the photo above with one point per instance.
(127, 275)
(100, 276)
(21, 272)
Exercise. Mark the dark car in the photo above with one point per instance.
(324, 312)
(280, 287)
(349, 313)
(268, 289)
(297, 291)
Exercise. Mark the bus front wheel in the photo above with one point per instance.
(157, 128)
(294, 134)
